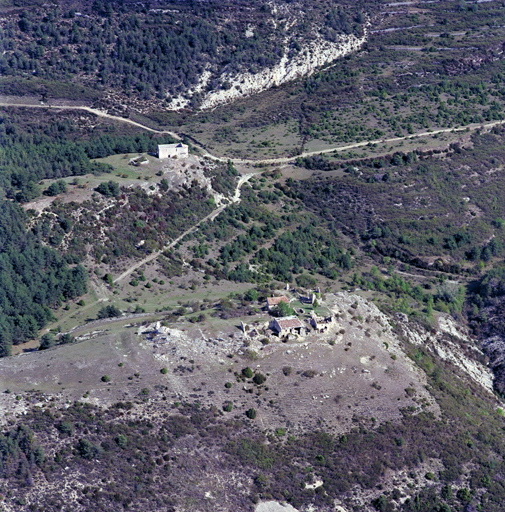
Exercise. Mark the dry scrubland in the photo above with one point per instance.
(328, 384)
(163, 417)
(170, 406)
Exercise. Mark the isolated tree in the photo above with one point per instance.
(47, 341)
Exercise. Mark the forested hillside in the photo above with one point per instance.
(33, 279)
(164, 49)
(32, 153)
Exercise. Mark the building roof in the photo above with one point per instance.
(175, 145)
(273, 301)
(289, 322)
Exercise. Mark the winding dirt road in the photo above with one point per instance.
(94, 111)
(273, 161)
(101, 291)
(235, 199)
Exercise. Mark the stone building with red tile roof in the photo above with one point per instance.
(288, 325)
(273, 302)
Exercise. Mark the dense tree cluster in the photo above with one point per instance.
(304, 248)
(20, 454)
(28, 156)
(33, 279)
(150, 52)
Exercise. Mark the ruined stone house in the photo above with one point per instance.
(322, 324)
(288, 325)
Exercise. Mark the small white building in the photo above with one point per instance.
(178, 150)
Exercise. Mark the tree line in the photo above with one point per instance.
(26, 157)
(33, 279)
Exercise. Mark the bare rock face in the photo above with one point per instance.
(453, 343)
(492, 336)
(309, 59)
(230, 86)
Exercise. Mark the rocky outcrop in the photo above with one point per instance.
(230, 87)
(452, 343)
(491, 333)
(316, 54)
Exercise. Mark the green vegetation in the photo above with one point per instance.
(418, 231)
(57, 187)
(111, 42)
(102, 439)
(259, 379)
(170, 215)
(251, 413)
(20, 454)
(109, 189)
(247, 372)
(33, 279)
(109, 311)
(32, 153)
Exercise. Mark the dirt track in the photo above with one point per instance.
(273, 161)
(235, 199)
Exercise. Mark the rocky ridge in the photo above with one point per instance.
(231, 87)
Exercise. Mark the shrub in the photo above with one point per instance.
(247, 372)
(108, 312)
(306, 281)
(228, 385)
(410, 392)
(287, 370)
(164, 371)
(285, 309)
(88, 450)
(464, 495)
(381, 503)
(47, 341)
(105, 378)
(66, 428)
(66, 338)
(251, 413)
(309, 373)
(259, 379)
(121, 441)
(279, 432)
(109, 189)
(251, 295)
(446, 492)
(228, 407)
(57, 187)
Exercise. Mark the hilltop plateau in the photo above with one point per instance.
(304, 312)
